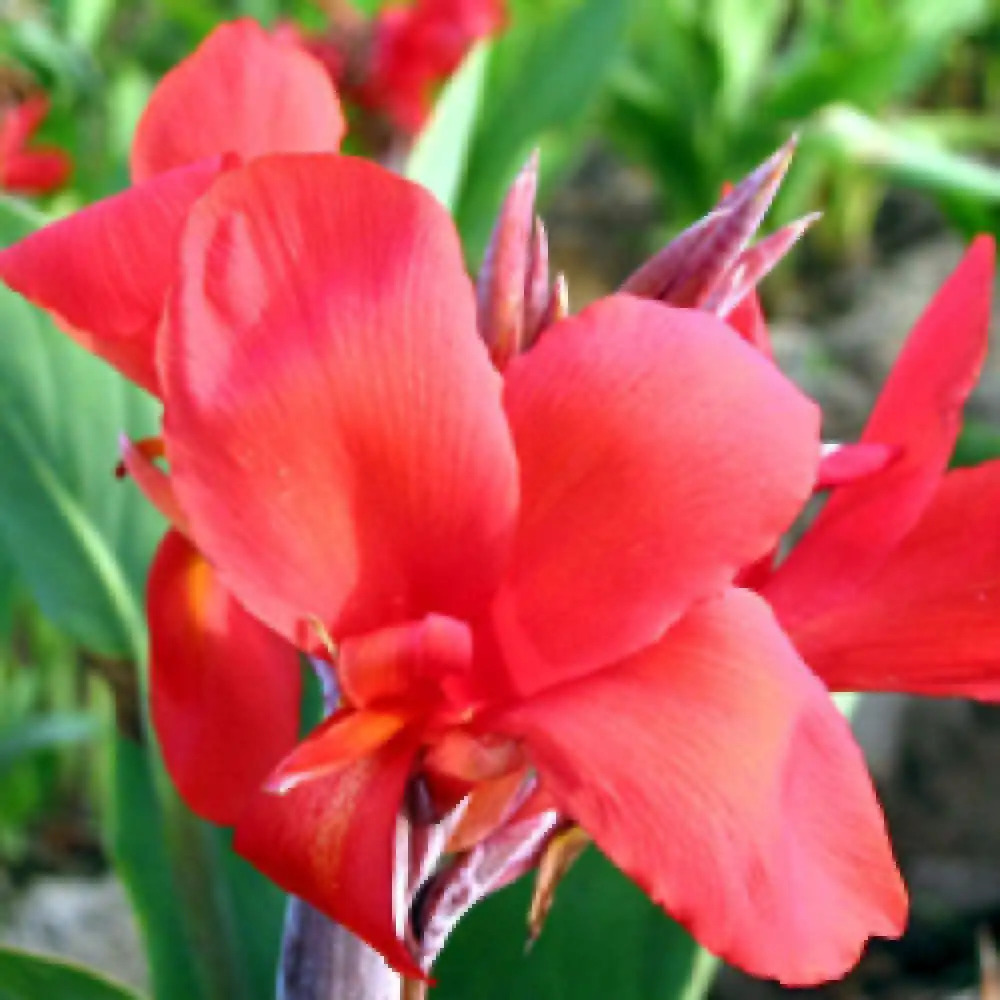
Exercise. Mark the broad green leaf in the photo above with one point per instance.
(438, 160)
(544, 73)
(80, 539)
(28, 976)
(603, 938)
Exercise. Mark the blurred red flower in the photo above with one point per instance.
(26, 168)
(394, 63)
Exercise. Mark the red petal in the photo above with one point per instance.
(242, 91)
(846, 463)
(431, 657)
(103, 272)
(659, 453)
(323, 368)
(919, 412)
(714, 769)
(929, 621)
(224, 689)
(332, 843)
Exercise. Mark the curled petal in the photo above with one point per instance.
(714, 769)
(323, 366)
(104, 271)
(918, 413)
(425, 658)
(337, 742)
(332, 842)
(928, 621)
(224, 688)
(242, 91)
(659, 454)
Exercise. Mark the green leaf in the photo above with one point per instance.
(28, 976)
(543, 76)
(603, 938)
(44, 732)
(145, 847)
(855, 137)
(80, 539)
(439, 158)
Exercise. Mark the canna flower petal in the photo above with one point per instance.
(332, 842)
(224, 689)
(919, 413)
(714, 769)
(634, 423)
(104, 271)
(928, 622)
(357, 419)
(243, 91)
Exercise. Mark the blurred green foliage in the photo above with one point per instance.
(708, 89)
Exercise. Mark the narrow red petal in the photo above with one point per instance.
(323, 367)
(919, 413)
(224, 689)
(659, 454)
(332, 843)
(715, 770)
(847, 463)
(928, 622)
(152, 481)
(242, 91)
(336, 743)
(104, 271)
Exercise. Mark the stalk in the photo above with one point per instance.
(320, 960)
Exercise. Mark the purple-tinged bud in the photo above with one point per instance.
(536, 285)
(753, 265)
(692, 266)
(508, 266)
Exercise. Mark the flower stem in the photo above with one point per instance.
(320, 960)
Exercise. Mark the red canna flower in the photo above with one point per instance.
(26, 168)
(505, 571)
(516, 572)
